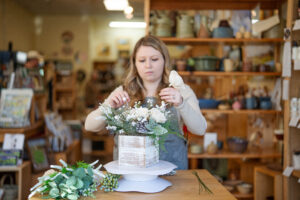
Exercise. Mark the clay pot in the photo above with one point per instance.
(212, 148)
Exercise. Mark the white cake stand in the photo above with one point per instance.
(137, 179)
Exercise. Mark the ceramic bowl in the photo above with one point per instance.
(237, 144)
(244, 188)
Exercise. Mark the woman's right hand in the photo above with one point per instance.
(118, 99)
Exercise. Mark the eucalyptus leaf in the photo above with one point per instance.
(159, 130)
(71, 181)
(90, 171)
(54, 192)
(79, 184)
(79, 172)
(72, 197)
(52, 184)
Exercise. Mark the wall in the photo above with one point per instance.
(102, 35)
(16, 25)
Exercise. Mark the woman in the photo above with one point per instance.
(148, 81)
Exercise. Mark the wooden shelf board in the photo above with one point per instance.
(64, 89)
(266, 170)
(28, 131)
(243, 196)
(191, 41)
(207, 111)
(296, 173)
(218, 73)
(266, 153)
(14, 168)
(213, 4)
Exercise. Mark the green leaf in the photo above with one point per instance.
(54, 192)
(79, 184)
(90, 171)
(72, 197)
(159, 130)
(52, 184)
(46, 197)
(71, 181)
(79, 172)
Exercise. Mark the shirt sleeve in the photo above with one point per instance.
(95, 122)
(190, 112)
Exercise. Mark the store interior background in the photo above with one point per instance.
(93, 46)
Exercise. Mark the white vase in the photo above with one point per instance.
(137, 151)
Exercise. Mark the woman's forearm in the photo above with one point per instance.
(95, 121)
(190, 113)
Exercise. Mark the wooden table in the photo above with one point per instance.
(185, 187)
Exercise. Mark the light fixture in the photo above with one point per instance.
(115, 4)
(118, 24)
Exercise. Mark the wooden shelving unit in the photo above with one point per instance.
(243, 196)
(225, 80)
(23, 178)
(71, 155)
(197, 41)
(267, 183)
(64, 94)
(291, 134)
(296, 173)
(218, 73)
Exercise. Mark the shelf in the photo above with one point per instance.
(215, 73)
(209, 111)
(27, 131)
(214, 4)
(22, 174)
(197, 41)
(64, 89)
(266, 153)
(243, 196)
(296, 173)
(14, 168)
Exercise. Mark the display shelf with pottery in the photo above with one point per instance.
(140, 179)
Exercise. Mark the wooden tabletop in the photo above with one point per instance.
(184, 187)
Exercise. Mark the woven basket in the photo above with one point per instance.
(10, 190)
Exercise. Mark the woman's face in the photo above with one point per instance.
(149, 63)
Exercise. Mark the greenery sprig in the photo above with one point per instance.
(202, 186)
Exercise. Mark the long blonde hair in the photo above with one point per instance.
(133, 83)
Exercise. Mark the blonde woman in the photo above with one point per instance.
(148, 82)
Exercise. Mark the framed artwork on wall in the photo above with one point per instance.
(14, 107)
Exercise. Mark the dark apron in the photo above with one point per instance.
(175, 147)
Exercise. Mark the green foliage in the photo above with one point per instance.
(70, 184)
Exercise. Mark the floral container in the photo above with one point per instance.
(138, 151)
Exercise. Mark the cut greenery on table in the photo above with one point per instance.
(73, 181)
(202, 186)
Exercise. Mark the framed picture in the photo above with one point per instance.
(15, 107)
(38, 154)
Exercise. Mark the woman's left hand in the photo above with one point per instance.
(171, 95)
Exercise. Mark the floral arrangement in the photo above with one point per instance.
(72, 182)
(139, 121)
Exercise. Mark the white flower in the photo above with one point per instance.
(176, 80)
(139, 113)
(157, 115)
(113, 128)
(105, 109)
